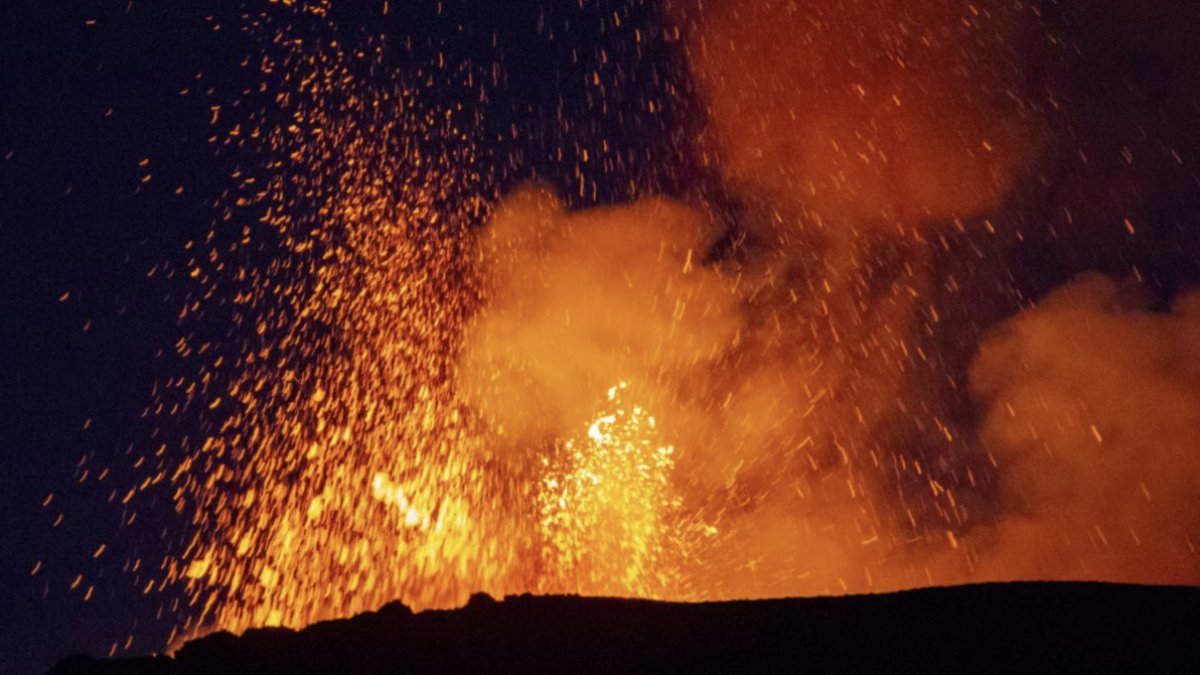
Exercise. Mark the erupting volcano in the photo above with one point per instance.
(667, 300)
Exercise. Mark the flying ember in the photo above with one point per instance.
(415, 369)
(608, 508)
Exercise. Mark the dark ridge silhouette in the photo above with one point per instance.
(1020, 627)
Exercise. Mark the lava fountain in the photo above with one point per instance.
(420, 390)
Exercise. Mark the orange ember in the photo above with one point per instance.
(425, 391)
(611, 519)
(344, 472)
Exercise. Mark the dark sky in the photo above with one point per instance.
(82, 104)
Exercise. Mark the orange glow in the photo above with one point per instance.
(417, 390)
(611, 519)
(344, 472)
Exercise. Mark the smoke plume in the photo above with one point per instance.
(770, 407)
(1093, 414)
(783, 350)
(872, 113)
(581, 301)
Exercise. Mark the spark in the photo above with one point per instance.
(608, 507)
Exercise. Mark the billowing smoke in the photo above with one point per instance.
(769, 395)
(869, 113)
(785, 348)
(1093, 415)
(581, 301)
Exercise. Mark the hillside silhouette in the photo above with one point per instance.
(982, 628)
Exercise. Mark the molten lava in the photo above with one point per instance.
(395, 380)
(610, 516)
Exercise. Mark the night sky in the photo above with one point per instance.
(96, 142)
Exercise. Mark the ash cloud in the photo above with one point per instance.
(579, 301)
(770, 395)
(871, 113)
(789, 349)
(1093, 414)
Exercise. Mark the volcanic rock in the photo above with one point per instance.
(979, 628)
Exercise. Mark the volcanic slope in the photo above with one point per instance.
(1010, 626)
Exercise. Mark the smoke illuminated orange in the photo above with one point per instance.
(670, 412)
